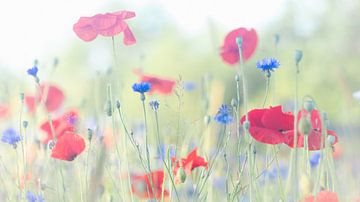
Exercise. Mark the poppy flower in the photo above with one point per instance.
(230, 51)
(108, 24)
(68, 147)
(4, 110)
(62, 124)
(269, 125)
(142, 187)
(189, 163)
(315, 135)
(161, 85)
(54, 98)
(323, 196)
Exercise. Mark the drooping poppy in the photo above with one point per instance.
(158, 84)
(144, 188)
(230, 51)
(190, 162)
(269, 125)
(108, 24)
(323, 196)
(62, 124)
(51, 95)
(68, 147)
(315, 141)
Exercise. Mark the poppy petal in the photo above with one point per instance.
(84, 29)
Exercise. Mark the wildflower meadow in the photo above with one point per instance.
(134, 109)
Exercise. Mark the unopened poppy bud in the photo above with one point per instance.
(90, 134)
(22, 96)
(331, 139)
(309, 105)
(25, 124)
(276, 39)
(246, 125)
(118, 104)
(108, 108)
(305, 126)
(207, 119)
(181, 175)
(237, 78)
(37, 80)
(298, 56)
(234, 102)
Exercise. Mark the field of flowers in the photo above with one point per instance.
(128, 133)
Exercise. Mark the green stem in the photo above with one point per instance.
(266, 91)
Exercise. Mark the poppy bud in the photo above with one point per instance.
(237, 78)
(309, 105)
(181, 175)
(90, 134)
(331, 139)
(276, 39)
(25, 124)
(207, 119)
(298, 56)
(118, 104)
(108, 108)
(234, 102)
(22, 96)
(246, 125)
(305, 126)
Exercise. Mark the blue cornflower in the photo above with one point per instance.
(189, 85)
(33, 71)
(267, 65)
(11, 137)
(315, 159)
(33, 197)
(154, 104)
(142, 87)
(223, 116)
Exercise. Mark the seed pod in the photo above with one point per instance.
(305, 126)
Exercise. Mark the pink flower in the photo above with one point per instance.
(230, 51)
(108, 24)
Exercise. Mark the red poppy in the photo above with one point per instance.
(54, 98)
(68, 147)
(62, 124)
(189, 163)
(4, 110)
(230, 51)
(323, 196)
(269, 125)
(108, 24)
(158, 84)
(142, 187)
(314, 137)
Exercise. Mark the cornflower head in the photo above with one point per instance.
(141, 88)
(11, 137)
(33, 72)
(268, 65)
(31, 197)
(223, 116)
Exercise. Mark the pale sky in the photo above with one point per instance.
(43, 28)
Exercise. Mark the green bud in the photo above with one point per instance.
(118, 104)
(246, 125)
(298, 56)
(25, 124)
(108, 108)
(237, 78)
(181, 175)
(207, 119)
(309, 105)
(305, 126)
(234, 102)
(331, 139)
(90, 134)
